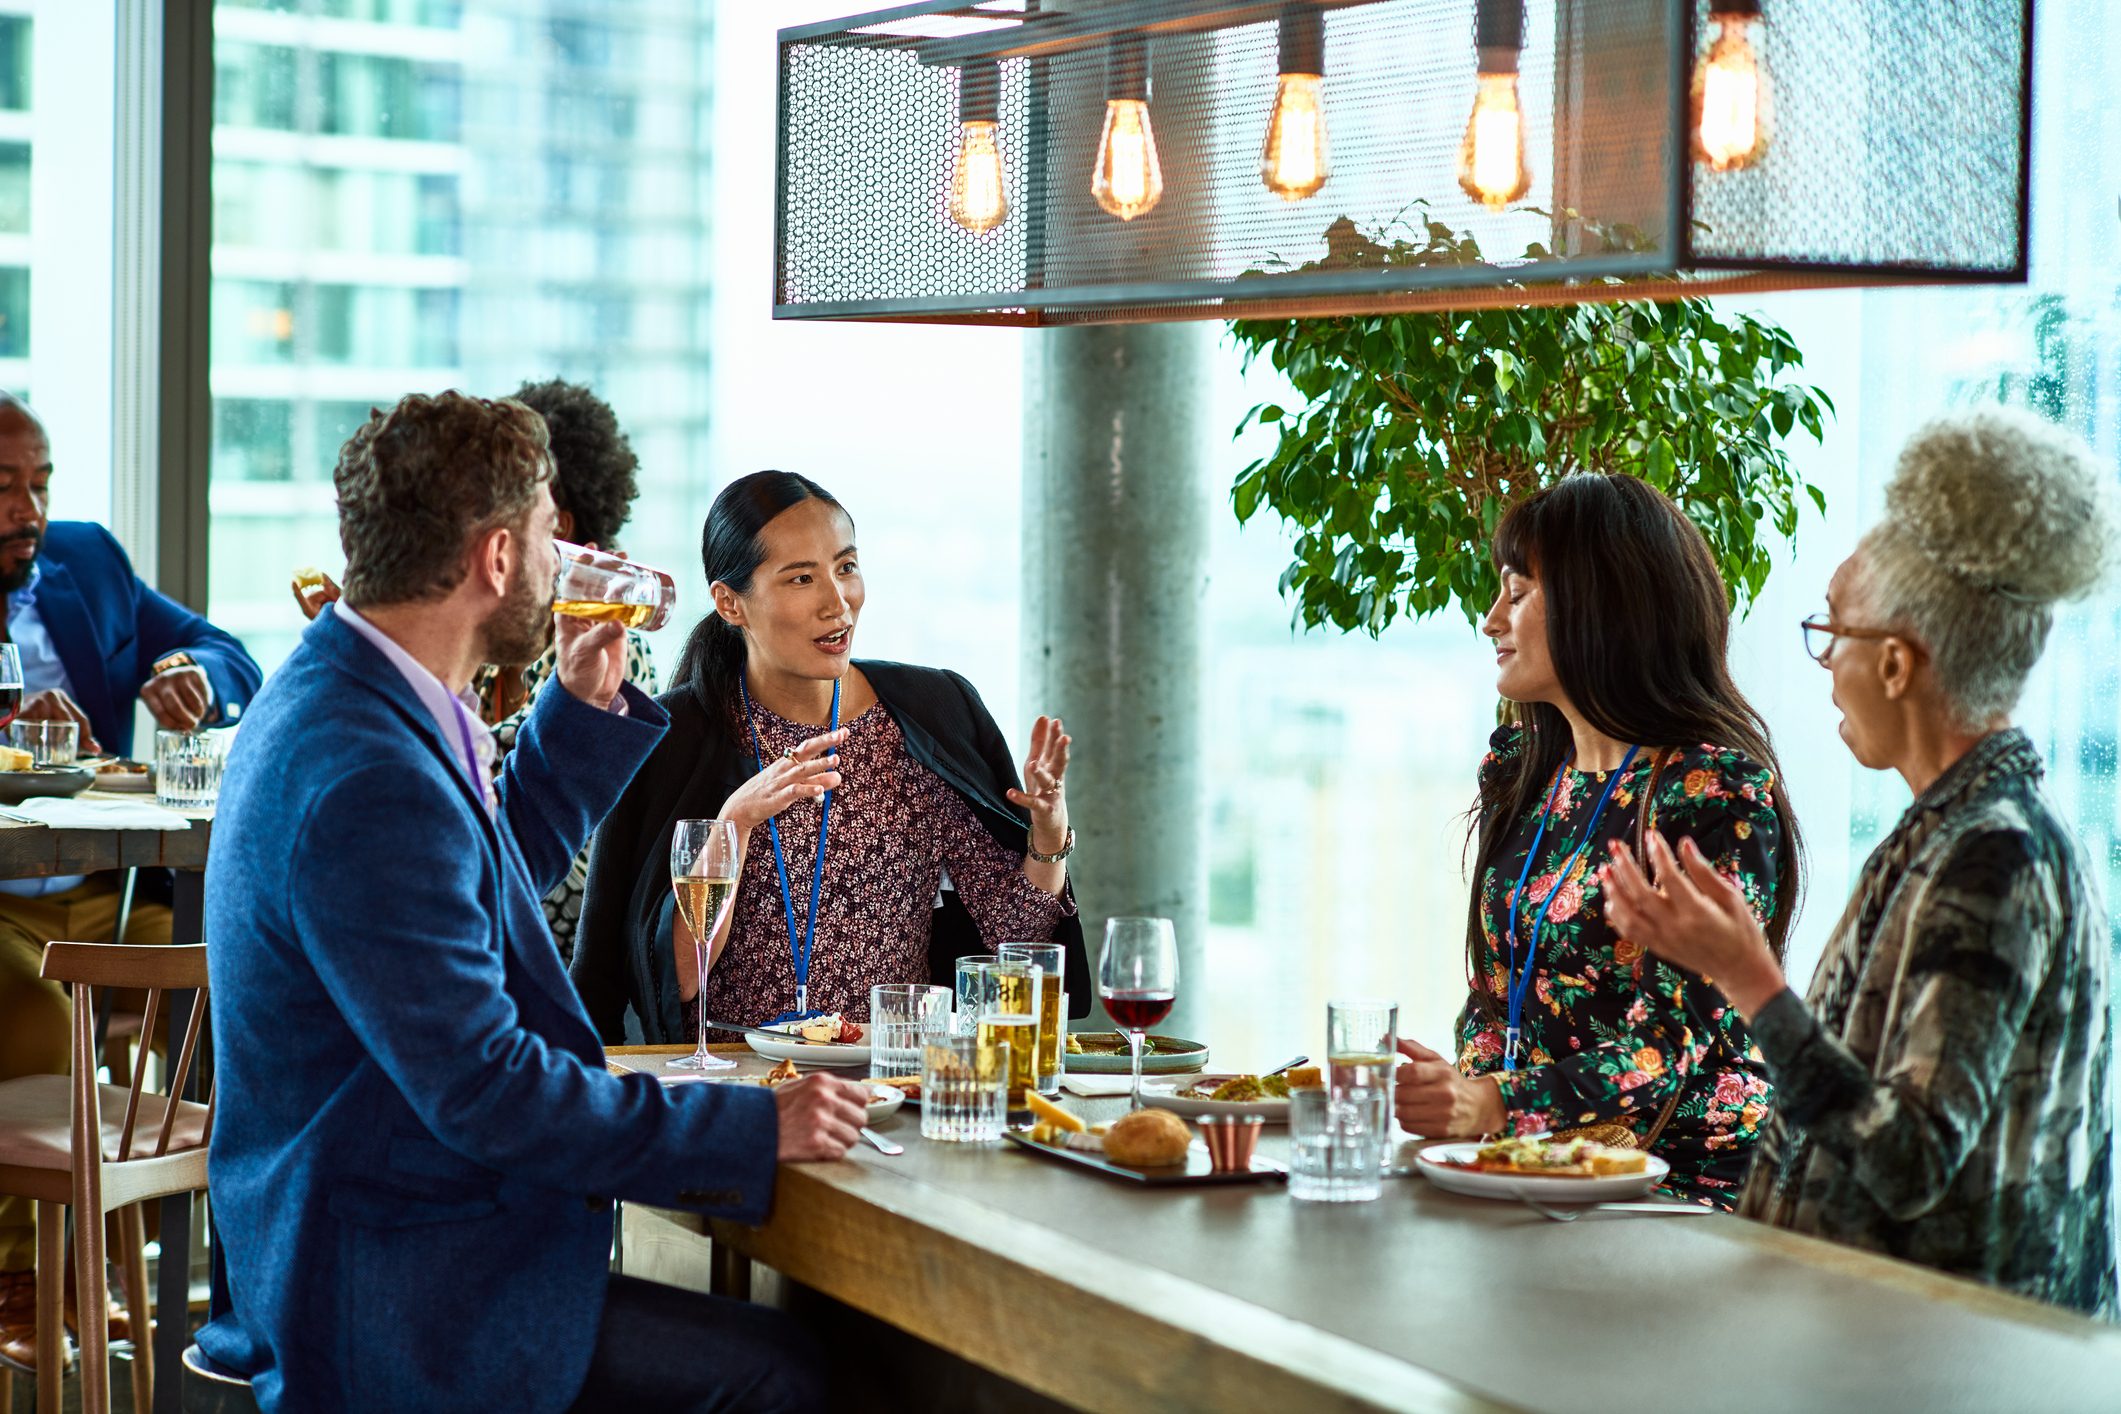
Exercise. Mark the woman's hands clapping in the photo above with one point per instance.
(1044, 795)
(803, 774)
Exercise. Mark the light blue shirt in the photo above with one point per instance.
(41, 672)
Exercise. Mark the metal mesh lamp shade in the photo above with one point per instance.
(1169, 159)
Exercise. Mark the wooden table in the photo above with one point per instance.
(39, 852)
(1106, 1296)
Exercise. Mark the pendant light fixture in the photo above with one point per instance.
(1127, 180)
(1491, 162)
(979, 197)
(1292, 162)
(1731, 112)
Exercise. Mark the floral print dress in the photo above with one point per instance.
(1610, 1033)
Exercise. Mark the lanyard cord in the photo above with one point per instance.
(798, 948)
(1519, 986)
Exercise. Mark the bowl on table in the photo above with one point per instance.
(18, 786)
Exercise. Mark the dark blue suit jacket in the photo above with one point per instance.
(416, 1142)
(109, 628)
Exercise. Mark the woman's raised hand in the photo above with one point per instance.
(804, 773)
(1044, 794)
(1692, 917)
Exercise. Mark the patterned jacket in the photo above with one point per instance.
(1942, 1095)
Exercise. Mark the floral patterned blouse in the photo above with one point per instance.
(896, 828)
(1609, 1032)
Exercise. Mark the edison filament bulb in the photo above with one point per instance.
(1731, 107)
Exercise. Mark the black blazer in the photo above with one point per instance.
(622, 945)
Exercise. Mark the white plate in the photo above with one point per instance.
(813, 1052)
(1440, 1164)
(884, 1101)
(1168, 1095)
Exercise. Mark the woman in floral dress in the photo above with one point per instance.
(1609, 635)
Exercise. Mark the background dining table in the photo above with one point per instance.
(1100, 1294)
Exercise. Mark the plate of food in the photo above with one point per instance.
(1264, 1095)
(822, 1040)
(21, 777)
(884, 1101)
(116, 773)
(910, 1087)
(1553, 1170)
(1105, 1053)
(1149, 1146)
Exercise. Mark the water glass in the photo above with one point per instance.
(1336, 1147)
(970, 969)
(903, 1017)
(188, 768)
(1048, 958)
(1362, 1049)
(48, 743)
(964, 1089)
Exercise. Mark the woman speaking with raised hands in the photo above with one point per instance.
(859, 789)
(1609, 636)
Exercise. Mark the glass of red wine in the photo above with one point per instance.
(1137, 979)
(10, 683)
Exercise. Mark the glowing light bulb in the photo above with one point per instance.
(1292, 160)
(1127, 180)
(1731, 109)
(979, 200)
(1491, 161)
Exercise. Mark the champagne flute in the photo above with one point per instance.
(703, 875)
(1137, 979)
(10, 683)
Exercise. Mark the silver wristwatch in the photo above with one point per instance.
(1067, 848)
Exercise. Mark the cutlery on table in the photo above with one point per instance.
(1288, 1065)
(1573, 1212)
(880, 1143)
(786, 1038)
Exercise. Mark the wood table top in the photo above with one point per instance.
(30, 851)
(1106, 1295)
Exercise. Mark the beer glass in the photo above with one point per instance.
(1008, 1014)
(607, 589)
(1048, 958)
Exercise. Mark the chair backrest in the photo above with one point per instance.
(133, 966)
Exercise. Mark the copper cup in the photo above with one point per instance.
(1231, 1140)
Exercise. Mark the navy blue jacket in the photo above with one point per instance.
(416, 1142)
(109, 629)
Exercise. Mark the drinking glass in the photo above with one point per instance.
(188, 768)
(1137, 979)
(594, 585)
(10, 682)
(1048, 958)
(969, 969)
(964, 1089)
(903, 1017)
(48, 743)
(1336, 1147)
(1008, 1013)
(1362, 1047)
(703, 875)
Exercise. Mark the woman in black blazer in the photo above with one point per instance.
(931, 849)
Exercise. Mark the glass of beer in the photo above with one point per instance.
(1048, 958)
(1008, 1014)
(703, 875)
(607, 589)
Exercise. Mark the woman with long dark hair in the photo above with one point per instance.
(859, 788)
(1610, 633)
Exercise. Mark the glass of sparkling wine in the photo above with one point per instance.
(1362, 1047)
(607, 589)
(703, 875)
(1008, 1014)
(1048, 958)
(1137, 979)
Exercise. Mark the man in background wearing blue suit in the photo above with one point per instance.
(416, 1143)
(94, 641)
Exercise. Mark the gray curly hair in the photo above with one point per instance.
(1991, 518)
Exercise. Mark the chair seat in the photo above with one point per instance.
(36, 1120)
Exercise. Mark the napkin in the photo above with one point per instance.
(1097, 1087)
(63, 814)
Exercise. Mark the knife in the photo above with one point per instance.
(786, 1038)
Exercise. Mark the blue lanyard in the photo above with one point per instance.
(798, 948)
(1519, 986)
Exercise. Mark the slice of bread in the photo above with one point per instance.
(13, 760)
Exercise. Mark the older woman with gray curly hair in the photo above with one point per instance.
(1942, 1092)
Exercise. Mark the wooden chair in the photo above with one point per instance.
(60, 1148)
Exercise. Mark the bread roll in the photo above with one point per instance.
(1148, 1139)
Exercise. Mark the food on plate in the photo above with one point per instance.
(1241, 1089)
(910, 1084)
(1045, 1111)
(1148, 1139)
(1111, 1043)
(1558, 1158)
(1075, 1044)
(1304, 1077)
(13, 760)
(830, 1029)
(783, 1072)
(117, 767)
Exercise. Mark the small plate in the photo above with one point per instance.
(1171, 1095)
(1162, 1055)
(884, 1101)
(1442, 1165)
(1194, 1171)
(141, 781)
(18, 786)
(803, 1052)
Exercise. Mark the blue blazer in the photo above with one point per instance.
(109, 628)
(416, 1143)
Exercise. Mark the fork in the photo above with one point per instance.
(1569, 1215)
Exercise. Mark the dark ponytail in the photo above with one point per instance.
(731, 552)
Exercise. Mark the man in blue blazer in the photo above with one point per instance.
(416, 1142)
(93, 641)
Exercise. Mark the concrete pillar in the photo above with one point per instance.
(1116, 507)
